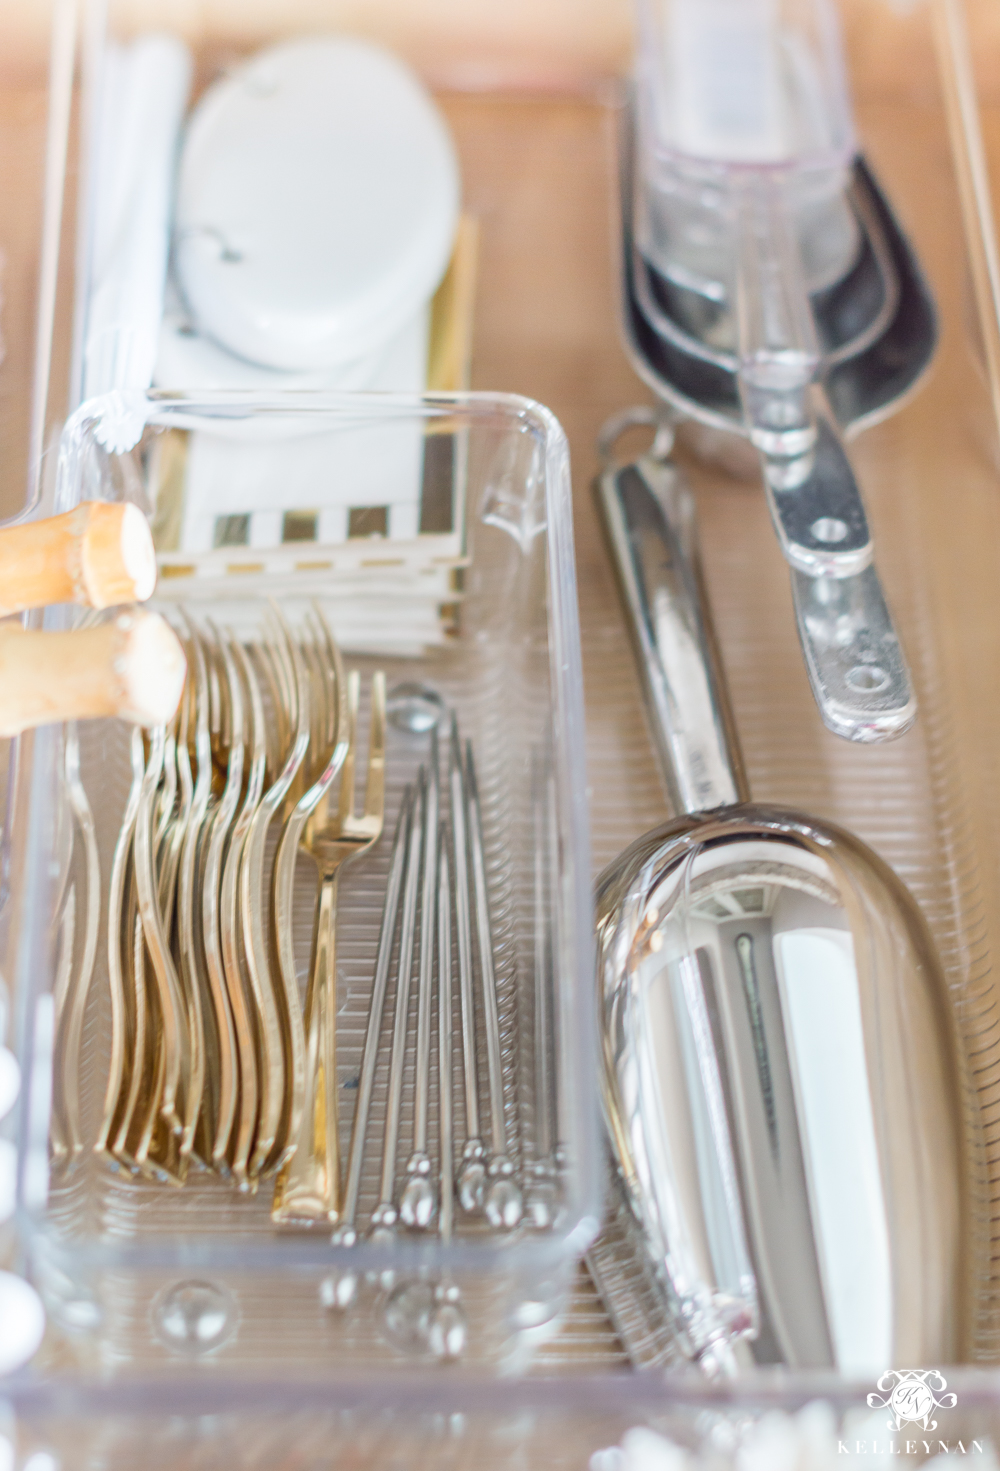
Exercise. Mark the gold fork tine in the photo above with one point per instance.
(339, 715)
(277, 630)
(277, 728)
(375, 785)
(326, 706)
(333, 672)
(345, 805)
(305, 653)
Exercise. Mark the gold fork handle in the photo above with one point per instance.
(308, 1184)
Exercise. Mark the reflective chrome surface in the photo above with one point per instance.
(853, 656)
(869, 339)
(783, 1081)
(692, 365)
(784, 1094)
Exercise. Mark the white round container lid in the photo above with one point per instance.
(317, 202)
(193, 361)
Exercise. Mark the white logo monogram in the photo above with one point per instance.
(913, 1398)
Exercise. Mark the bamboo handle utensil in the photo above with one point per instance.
(132, 666)
(98, 554)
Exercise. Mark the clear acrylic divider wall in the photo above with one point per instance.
(226, 1326)
(142, 1264)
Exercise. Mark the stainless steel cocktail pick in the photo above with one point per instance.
(418, 1201)
(448, 1330)
(542, 1183)
(503, 1202)
(341, 1289)
(386, 1214)
(472, 1171)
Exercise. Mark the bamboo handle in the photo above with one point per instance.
(99, 554)
(132, 666)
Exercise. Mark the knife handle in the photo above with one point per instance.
(132, 666)
(648, 517)
(99, 554)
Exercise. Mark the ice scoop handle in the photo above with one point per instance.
(648, 517)
(132, 667)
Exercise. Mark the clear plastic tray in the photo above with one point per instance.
(113, 1252)
(539, 173)
(574, 1423)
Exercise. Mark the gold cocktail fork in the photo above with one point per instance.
(127, 998)
(308, 1185)
(204, 1082)
(208, 1025)
(240, 994)
(279, 1014)
(334, 733)
(226, 1000)
(165, 1106)
(73, 992)
(171, 880)
(122, 1010)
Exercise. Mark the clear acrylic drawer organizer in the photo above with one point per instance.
(118, 1257)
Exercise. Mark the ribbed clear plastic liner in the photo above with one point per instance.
(121, 1210)
(537, 175)
(903, 798)
(449, 1428)
(127, 1203)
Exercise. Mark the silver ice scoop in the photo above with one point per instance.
(793, 372)
(783, 1080)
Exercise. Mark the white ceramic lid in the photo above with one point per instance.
(190, 360)
(317, 203)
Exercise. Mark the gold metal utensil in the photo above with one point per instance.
(283, 1065)
(308, 1186)
(123, 1033)
(333, 732)
(240, 995)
